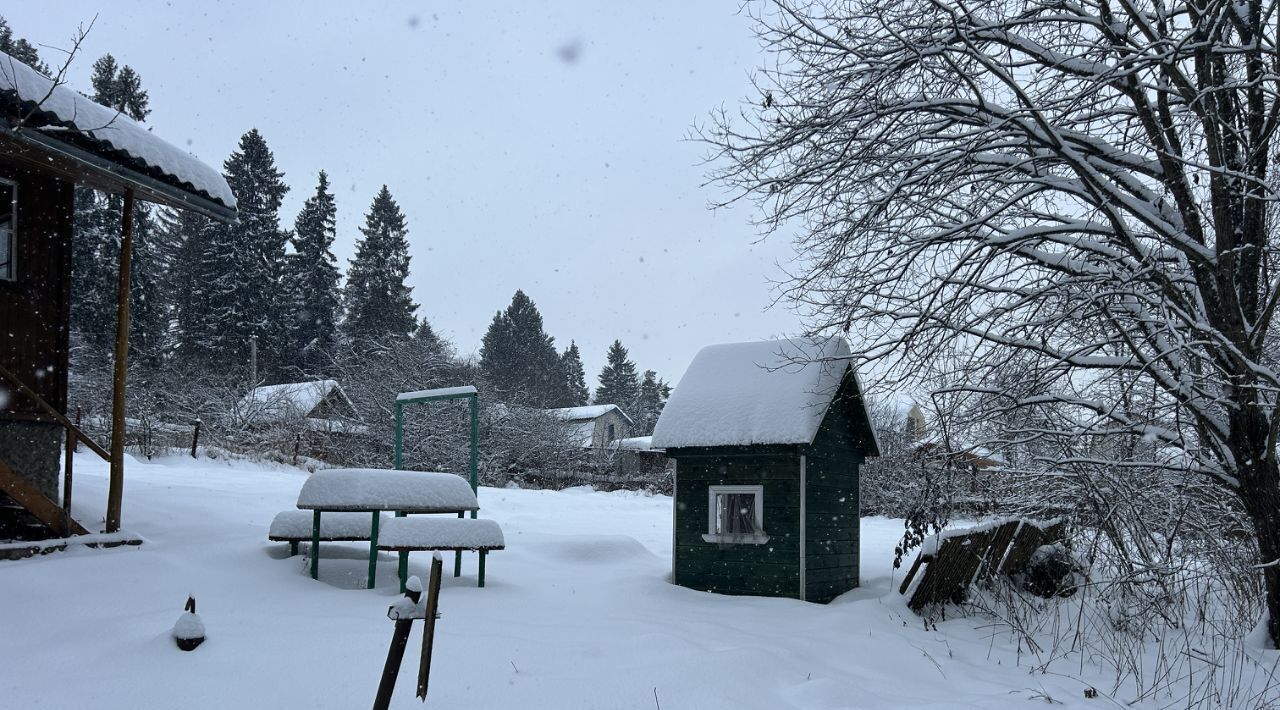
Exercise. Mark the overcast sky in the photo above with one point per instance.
(530, 145)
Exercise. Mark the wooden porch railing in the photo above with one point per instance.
(25, 494)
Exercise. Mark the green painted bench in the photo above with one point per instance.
(405, 535)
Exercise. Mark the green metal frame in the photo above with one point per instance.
(474, 472)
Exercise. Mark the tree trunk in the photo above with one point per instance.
(1260, 492)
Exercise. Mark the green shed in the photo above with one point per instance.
(767, 438)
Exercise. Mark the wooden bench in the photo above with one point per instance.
(294, 526)
(405, 535)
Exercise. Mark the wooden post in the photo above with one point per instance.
(429, 627)
(66, 481)
(395, 654)
(115, 489)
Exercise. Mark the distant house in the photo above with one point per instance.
(319, 406)
(768, 438)
(637, 456)
(594, 426)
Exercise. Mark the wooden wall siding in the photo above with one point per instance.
(771, 569)
(34, 309)
(832, 508)
(600, 434)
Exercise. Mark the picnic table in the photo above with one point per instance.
(375, 491)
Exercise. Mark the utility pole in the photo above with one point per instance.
(253, 360)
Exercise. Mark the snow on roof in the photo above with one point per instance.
(294, 400)
(635, 443)
(591, 411)
(439, 392)
(60, 107)
(770, 392)
(353, 489)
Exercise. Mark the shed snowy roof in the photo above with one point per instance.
(740, 394)
(59, 114)
(592, 411)
(293, 400)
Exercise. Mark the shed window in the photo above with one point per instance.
(735, 514)
(8, 232)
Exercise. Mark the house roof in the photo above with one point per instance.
(635, 443)
(286, 402)
(57, 119)
(741, 394)
(593, 411)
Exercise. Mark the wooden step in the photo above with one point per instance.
(34, 502)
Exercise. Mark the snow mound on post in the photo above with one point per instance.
(383, 489)
(64, 107)
(740, 394)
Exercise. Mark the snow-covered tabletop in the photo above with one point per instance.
(374, 489)
(440, 534)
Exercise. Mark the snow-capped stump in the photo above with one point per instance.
(188, 631)
(768, 437)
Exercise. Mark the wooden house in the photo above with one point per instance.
(594, 426)
(767, 438)
(317, 405)
(54, 140)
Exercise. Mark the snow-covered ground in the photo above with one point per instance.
(577, 613)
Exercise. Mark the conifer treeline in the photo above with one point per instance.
(205, 295)
(519, 361)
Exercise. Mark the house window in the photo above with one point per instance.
(735, 514)
(610, 432)
(8, 232)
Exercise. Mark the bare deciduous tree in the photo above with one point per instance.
(1082, 189)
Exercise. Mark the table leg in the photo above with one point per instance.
(404, 569)
(315, 545)
(373, 547)
(457, 556)
(482, 554)
(293, 548)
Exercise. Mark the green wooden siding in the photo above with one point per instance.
(769, 569)
(831, 507)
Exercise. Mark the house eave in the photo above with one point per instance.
(105, 174)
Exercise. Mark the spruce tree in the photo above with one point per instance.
(241, 266)
(312, 278)
(518, 359)
(119, 88)
(96, 247)
(575, 377)
(650, 399)
(618, 382)
(378, 302)
(20, 49)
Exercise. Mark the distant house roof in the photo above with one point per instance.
(589, 412)
(770, 392)
(634, 443)
(58, 119)
(291, 401)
